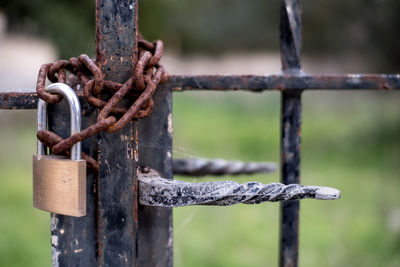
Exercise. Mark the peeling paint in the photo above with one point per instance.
(108, 166)
(54, 256)
(53, 222)
(136, 154)
(55, 253)
(170, 123)
(123, 257)
(170, 241)
(54, 240)
(128, 151)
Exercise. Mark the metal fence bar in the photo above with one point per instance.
(290, 174)
(74, 239)
(290, 43)
(157, 191)
(218, 167)
(27, 99)
(155, 244)
(283, 82)
(117, 221)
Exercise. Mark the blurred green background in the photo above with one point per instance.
(350, 140)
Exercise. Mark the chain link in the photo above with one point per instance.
(140, 87)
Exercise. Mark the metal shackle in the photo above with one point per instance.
(75, 116)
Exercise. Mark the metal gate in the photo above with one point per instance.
(117, 230)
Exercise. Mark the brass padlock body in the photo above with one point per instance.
(59, 185)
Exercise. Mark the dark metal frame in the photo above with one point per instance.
(117, 231)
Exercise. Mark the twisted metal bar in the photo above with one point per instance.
(160, 192)
(202, 167)
(290, 35)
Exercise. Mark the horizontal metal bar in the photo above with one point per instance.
(27, 99)
(157, 191)
(203, 167)
(284, 82)
(18, 99)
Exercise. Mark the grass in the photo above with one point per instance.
(350, 141)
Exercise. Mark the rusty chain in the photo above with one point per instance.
(140, 87)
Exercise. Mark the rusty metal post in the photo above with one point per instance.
(107, 235)
(290, 43)
(155, 151)
(74, 239)
(117, 221)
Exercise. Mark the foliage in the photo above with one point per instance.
(339, 28)
(67, 23)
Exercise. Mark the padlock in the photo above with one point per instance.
(59, 183)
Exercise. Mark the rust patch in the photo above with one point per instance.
(135, 202)
(100, 248)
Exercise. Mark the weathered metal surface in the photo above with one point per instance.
(203, 167)
(290, 44)
(18, 99)
(117, 218)
(74, 239)
(155, 151)
(284, 81)
(27, 99)
(290, 35)
(157, 191)
(290, 174)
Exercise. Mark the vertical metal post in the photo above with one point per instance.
(290, 43)
(74, 239)
(155, 151)
(109, 235)
(117, 222)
